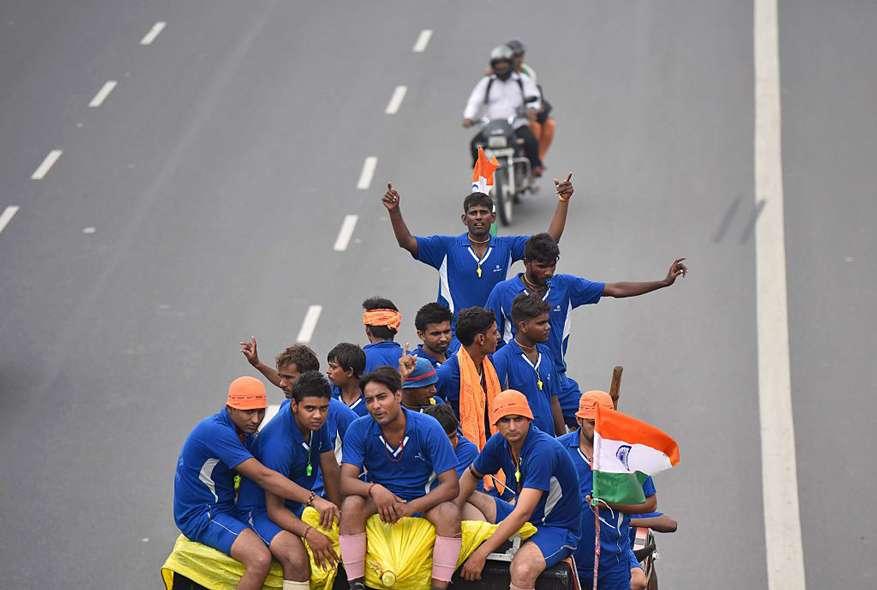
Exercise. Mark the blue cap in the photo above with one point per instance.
(423, 375)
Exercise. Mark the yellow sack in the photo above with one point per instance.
(399, 555)
(217, 571)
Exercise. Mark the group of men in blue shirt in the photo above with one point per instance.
(395, 460)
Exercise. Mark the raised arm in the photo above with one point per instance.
(251, 353)
(631, 289)
(564, 192)
(404, 237)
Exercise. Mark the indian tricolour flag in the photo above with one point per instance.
(626, 450)
(482, 173)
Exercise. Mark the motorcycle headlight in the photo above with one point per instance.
(498, 141)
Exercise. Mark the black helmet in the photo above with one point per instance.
(517, 47)
(501, 53)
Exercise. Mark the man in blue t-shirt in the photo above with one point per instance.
(469, 265)
(464, 449)
(526, 365)
(433, 324)
(543, 480)
(563, 293)
(346, 365)
(381, 319)
(204, 495)
(402, 453)
(418, 385)
(294, 443)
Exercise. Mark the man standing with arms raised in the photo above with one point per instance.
(470, 264)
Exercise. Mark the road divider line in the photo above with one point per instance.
(149, 37)
(779, 474)
(345, 233)
(7, 216)
(309, 324)
(46, 164)
(422, 41)
(368, 171)
(270, 412)
(396, 100)
(102, 94)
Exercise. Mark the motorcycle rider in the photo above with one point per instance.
(543, 127)
(502, 95)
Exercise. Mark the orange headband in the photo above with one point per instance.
(382, 317)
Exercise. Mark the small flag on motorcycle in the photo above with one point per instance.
(482, 173)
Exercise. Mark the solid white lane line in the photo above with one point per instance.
(149, 37)
(345, 233)
(309, 323)
(396, 100)
(102, 94)
(7, 216)
(422, 41)
(779, 477)
(46, 165)
(270, 412)
(368, 170)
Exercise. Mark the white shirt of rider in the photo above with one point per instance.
(504, 100)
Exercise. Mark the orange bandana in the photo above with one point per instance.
(382, 317)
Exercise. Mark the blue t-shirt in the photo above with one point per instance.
(337, 421)
(565, 293)
(381, 354)
(448, 385)
(409, 470)
(460, 285)
(282, 447)
(466, 452)
(420, 352)
(536, 381)
(544, 466)
(204, 480)
(357, 407)
(614, 543)
(648, 491)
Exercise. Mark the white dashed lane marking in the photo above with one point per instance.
(149, 37)
(46, 165)
(396, 100)
(309, 324)
(102, 94)
(422, 41)
(7, 216)
(347, 227)
(368, 171)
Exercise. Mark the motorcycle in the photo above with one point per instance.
(514, 177)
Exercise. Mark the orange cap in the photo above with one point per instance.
(590, 400)
(247, 393)
(509, 403)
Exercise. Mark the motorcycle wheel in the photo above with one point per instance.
(504, 201)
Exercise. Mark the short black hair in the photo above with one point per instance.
(299, 355)
(528, 306)
(382, 332)
(432, 313)
(349, 357)
(541, 248)
(477, 198)
(473, 321)
(311, 384)
(445, 416)
(386, 376)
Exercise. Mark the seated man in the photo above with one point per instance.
(204, 494)
(402, 452)
(543, 479)
(346, 365)
(614, 571)
(433, 324)
(381, 319)
(525, 364)
(463, 447)
(295, 444)
(418, 389)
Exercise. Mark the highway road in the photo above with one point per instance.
(199, 200)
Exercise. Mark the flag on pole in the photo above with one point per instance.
(482, 173)
(626, 450)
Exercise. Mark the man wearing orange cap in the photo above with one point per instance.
(204, 494)
(543, 480)
(614, 572)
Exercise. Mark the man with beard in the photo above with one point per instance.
(433, 324)
(295, 443)
(563, 293)
(402, 453)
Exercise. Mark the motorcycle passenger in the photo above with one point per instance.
(502, 95)
(543, 127)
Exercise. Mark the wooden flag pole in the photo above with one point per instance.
(615, 384)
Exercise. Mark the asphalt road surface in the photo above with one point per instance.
(200, 200)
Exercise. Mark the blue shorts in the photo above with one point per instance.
(264, 526)
(614, 579)
(555, 543)
(632, 561)
(218, 530)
